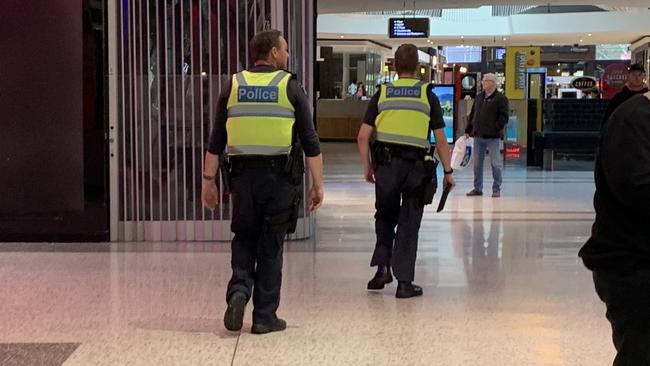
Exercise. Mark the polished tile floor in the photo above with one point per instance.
(502, 286)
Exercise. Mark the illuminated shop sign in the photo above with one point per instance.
(584, 83)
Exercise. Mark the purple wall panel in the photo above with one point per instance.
(41, 143)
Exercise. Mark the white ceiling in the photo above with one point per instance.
(348, 6)
(623, 26)
(538, 40)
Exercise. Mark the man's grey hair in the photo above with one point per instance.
(490, 76)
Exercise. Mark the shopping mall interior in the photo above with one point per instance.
(108, 256)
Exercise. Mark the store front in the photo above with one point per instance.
(168, 62)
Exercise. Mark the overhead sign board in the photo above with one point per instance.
(408, 27)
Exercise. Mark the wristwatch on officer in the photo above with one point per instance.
(448, 172)
(209, 177)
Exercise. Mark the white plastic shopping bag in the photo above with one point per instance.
(462, 154)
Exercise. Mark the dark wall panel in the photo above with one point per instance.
(41, 136)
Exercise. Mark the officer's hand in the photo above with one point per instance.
(449, 181)
(210, 194)
(315, 198)
(369, 175)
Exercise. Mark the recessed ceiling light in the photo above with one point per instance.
(462, 37)
(342, 36)
(589, 34)
(581, 41)
(505, 39)
(552, 44)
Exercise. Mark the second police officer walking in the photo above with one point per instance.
(399, 120)
(262, 118)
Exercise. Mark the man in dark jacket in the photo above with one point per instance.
(635, 85)
(488, 118)
(618, 251)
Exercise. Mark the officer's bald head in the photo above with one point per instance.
(406, 59)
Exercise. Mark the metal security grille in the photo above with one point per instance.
(168, 60)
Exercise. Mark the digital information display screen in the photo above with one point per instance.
(408, 28)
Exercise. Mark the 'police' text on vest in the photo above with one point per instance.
(403, 92)
(257, 94)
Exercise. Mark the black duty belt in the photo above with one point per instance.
(403, 151)
(258, 162)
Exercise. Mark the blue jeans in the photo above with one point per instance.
(480, 147)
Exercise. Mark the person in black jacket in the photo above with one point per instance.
(618, 251)
(486, 122)
(635, 85)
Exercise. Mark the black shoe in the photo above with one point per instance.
(234, 317)
(474, 193)
(382, 277)
(407, 289)
(274, 326)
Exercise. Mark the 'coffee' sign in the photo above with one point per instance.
(583, 83)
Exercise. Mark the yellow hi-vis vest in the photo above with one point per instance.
(404, 113)
(260, 116)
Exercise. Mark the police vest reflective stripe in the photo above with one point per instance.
(401, 139)
(404, 113)
(255, 150)
(260, 111)
(405, 105)
(260, 115)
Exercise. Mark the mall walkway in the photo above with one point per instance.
(502, 286)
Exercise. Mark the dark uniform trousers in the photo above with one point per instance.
(398, 201)
(627, 297)
(259, 194)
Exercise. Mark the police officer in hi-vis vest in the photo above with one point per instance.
(399, 161)
(263, 123)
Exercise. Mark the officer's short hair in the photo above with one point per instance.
(263, 42)
(406, 58)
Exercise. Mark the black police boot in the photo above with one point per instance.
(406, 289)
(234, 317)
(274, 326)
(382, 277)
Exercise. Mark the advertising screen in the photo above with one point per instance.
(499, 53)
(445, 94)
(462, 54)
(613, 52)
